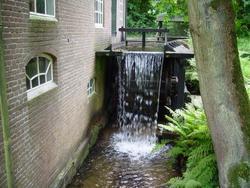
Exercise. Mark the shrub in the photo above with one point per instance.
(195, 144)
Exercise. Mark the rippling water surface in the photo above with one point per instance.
(123, 155)
(114, 163)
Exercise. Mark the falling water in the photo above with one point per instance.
(139, 89)
(123, 155)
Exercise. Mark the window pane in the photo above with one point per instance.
(49, 74)
(96, 5)
(27, 83)
(43, 64)
(31, 68)
(32, 6)
(40, 6)
(42, 79)
(96, 17)
(114, 14)
(50, 7)
(35, 82)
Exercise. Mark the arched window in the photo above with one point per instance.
(39, 71)
(39, 76)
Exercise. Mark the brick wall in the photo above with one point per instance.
(102, 35)
(48, 129)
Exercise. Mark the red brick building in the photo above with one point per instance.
(55, 85)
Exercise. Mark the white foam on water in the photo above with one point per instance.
(139, 90)
(135, 146)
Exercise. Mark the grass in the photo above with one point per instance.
(244, 52)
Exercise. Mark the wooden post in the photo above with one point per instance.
(143, 39)
(122, 35)
(166, 38)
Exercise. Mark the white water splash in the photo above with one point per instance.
(139, 89)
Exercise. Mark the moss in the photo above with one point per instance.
(5, 113)
(237, 172)
(100, 70)
(79, 157)
(94, 135)
(214, 4)
(243, 100)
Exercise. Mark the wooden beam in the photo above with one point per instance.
(147, 30)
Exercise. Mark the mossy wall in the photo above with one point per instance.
(96, 101)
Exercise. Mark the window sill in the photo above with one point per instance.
(99, 26)
(40, 90)
(41, 17)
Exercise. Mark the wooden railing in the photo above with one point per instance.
(143, 31)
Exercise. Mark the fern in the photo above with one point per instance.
(194, 143)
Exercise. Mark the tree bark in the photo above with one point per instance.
(222, 88)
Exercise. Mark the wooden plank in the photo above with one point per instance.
(147, 30)
(108, 53)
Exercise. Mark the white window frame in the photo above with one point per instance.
(41, 88)
(100, 4)
(45, 14)
(91, 89)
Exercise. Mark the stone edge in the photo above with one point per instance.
(69, 171)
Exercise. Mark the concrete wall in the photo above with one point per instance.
(48, 129)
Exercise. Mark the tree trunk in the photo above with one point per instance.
(222, 88)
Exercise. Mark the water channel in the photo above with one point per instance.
(116, 164)
(123, 156)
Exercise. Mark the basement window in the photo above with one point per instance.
(42, 7)
(91, 87)
(39, 76)
(99, 13)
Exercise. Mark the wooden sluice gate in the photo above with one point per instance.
(175, 52)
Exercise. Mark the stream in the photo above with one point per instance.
(123, 155)
(113, 163)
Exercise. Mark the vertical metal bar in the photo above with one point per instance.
(5, 112)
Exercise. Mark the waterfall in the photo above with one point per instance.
(139, 90)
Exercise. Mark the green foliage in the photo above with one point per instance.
(242, 10)
(141, 13)
(195, 144)
(239, 172)
(172, 8)
(244, 52)
(191, 71)
(159, 145)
